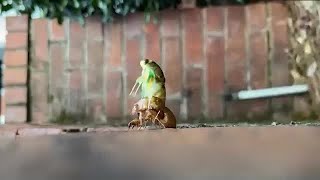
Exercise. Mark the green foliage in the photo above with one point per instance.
(108, 9)
(80, 9)
(204, 3)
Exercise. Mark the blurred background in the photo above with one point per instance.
(82, 70)
(75, 62)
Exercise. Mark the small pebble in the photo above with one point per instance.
(293, 123)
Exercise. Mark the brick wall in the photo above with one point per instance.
(15, 74)
(86, 73)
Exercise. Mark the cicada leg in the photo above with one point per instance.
(163, 126)
(135, 93)
(149, 102)
(139, 82)
(155, 117)
(160, 123)
(133, 88)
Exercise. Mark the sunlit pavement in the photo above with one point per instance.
(240, 153)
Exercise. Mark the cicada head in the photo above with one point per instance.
(144, 62)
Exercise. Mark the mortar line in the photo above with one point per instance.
(161, 44)
(124, 72)
(49, 30)
(270, 51)
(143, 43)
(85, 76)
(50, 111)
(67, 57)
(29, 63)
(105, 66)
(162, 40)
(184, 103)
(205, 94)
(226, 38)
(248, 56)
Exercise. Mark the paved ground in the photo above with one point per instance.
(22, 130)
(240, 153)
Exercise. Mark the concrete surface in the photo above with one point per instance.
(240, 153)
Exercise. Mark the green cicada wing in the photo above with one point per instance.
(143, 90)
(153, 82)
(148, 78)
(157, 71)
(158, 90)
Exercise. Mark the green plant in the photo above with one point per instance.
(204, 3)
(80, 9)
(108, 9)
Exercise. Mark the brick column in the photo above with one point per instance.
(15, 74)
(279, 61)
(171, 53)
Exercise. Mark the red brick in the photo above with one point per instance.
(15, 58)
(194, 84)
(78, 102)
(301, 106)
(280, 61)
(238, 110)
(16, 114)
(215, 19)
(114, 95)
(76, 50)
(257, 17)
(94, 28)
(173, 65)
(259, 61)
(39, 93)
(236, 22)
(3, 105)
(17, 23)
(95, 54)
(235, 62)
(76, 79)
(133, 69)
(215, 62)
(15, 76)
(236, 59)
(57, 66)
(279, 11)
(215, 75)
(152, 36)
(134, 24)
(97, 111)
(170, 23)
(193, 36)
(258, 70)
(40, 37)
(39, 117)
(96, 64)
(115, 42)
(256, 108)
(40, 44)
(216, 106)
(57, 31)
(16, 95)
(133, 59)
(16, 40)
